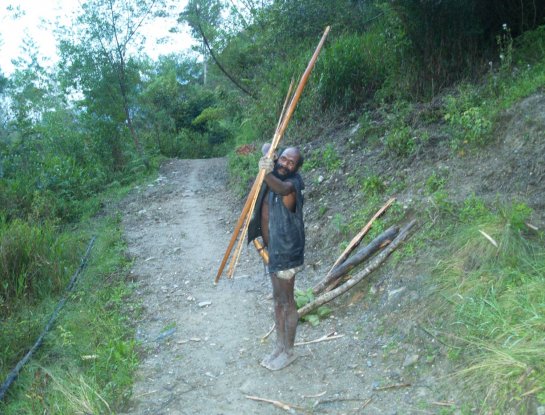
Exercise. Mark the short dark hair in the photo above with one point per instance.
(300, 160)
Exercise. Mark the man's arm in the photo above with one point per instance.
(286, 189)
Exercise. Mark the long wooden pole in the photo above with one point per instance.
(246, 211)
(243, 233)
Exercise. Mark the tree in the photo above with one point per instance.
(99, 54)
(205, 18)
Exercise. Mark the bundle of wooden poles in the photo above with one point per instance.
(241, 227)
(338, 281)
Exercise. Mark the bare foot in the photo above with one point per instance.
(268, 359)
(281, 361)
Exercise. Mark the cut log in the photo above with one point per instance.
(357, 239)
(373, 265)
(361, 255)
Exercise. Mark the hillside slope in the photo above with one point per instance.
(394, 308)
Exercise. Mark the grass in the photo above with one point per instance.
(494, 289)
(87, 361)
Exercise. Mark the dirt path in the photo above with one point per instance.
(203, 342)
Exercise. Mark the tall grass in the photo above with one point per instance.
(34, 262)
(494, 281)
(87, 361)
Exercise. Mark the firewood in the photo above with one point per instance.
(357, 239)
(373, 265)
(364, 253)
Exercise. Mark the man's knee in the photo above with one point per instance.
(288, 274)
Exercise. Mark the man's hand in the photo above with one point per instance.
(267, 164)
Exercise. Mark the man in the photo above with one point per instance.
(278, 219)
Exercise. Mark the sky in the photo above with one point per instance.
(31, 22)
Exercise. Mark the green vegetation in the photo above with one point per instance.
(494, 284)
(302, 298)
(106, 116)
(87, 361)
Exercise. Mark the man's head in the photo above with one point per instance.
(288, 163)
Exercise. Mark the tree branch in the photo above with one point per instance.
(205, 40)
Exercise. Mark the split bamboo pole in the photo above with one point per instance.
(247, 210)
(243, 233)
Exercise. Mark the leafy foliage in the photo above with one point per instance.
(497, 295)
(302, 298)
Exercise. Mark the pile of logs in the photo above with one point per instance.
(333, 285)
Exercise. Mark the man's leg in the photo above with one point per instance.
(286, 320)
(279, 320)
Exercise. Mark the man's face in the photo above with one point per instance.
(286, 166)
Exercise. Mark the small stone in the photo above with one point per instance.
(369, 363)
(204, 303)
(395, 293)
(410, 360)
(320, 179)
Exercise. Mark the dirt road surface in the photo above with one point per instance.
(202, 344)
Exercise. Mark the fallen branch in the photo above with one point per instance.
(332, 400)
(357, 239)
(278, 404)
(396, 386)
(367, 402)
(379, 242)
(444, 403)
(374, 264)
(314, 396)
(268, 333)
(330, 336)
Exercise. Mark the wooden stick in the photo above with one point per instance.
(246, 212)
(278, 404)
(397, 385)
(284, 106)
(364, 253)
(276, 140)
(357, 239)
(235, 233)
(268, 333)
(374, 264)
(330, 336)
(262, 251)
(244, 232)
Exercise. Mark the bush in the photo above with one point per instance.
(468, 116)
(242, 170)
(355, 67)
(400, 141)
(33, 261)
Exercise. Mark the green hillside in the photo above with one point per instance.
(436, 103)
